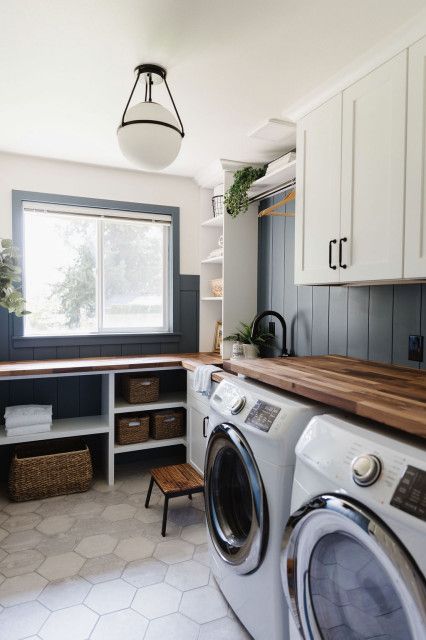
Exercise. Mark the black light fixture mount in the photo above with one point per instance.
(153, 74)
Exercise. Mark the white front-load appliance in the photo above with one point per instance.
(248, 477)
(354, 550)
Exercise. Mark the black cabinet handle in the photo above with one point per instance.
(330, 254)
(205, 420)
(342, 240)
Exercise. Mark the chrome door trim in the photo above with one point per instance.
(330, 513)
(250, 555)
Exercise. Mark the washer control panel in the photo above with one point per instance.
(262, 415)
(410, 494)
(366, 469)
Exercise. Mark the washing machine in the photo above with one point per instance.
(353, 561)
(248, 477)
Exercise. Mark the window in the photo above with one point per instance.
(89, 271)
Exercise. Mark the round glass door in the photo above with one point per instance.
(236, 508)
(347, 577)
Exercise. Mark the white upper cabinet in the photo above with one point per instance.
(318, 194)
(373, 174)
(415, 212)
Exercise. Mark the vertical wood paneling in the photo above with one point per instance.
(338, 321)
(290, 289)
(380, 324)
(358, 308)
(304, 322)
(320, 304)
(364, 322)
(90, 351)
(90, 395)
(406, 320)
(277, 269)
(46, 392)
(68, 397)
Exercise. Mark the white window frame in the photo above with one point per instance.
(101, 215)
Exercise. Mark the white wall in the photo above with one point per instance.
(26, 173)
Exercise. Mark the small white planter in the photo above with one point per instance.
(237, 351)
(250, 351)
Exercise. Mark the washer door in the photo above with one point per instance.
(346, 576)
(236, 506)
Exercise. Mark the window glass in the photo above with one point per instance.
(88, 274)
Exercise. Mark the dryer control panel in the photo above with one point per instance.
(410, 494)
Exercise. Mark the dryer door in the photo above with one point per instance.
(346, 576)
(236, 508)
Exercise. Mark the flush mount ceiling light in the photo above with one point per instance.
(149, 134)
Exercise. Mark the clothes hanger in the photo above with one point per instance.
(271, 211)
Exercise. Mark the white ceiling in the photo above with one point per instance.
(66, 68)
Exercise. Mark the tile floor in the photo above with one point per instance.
(94, 566)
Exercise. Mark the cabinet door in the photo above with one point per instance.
(318, 194)
(373, 170)
(197, 443)
(415, 211)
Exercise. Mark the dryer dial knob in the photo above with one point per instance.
(238, 405)
(366, 469)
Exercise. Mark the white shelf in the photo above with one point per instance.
(149, 444)
(214, 260)
(167, 401)
(209, 298)
(64, 428)
(274, 179)
(213, 222)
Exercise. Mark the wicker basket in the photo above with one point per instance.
(168, 423)
(50, 468)
(216, 287)
(139, 389)
(132, 429)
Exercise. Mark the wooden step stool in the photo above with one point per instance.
(174, 481)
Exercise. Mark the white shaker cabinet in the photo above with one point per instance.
(415, 212)
(373, 174)
(318, 194)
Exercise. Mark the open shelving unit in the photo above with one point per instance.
(237, 266)
(273, 180)
(63, 428)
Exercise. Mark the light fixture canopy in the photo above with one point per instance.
(151, 135)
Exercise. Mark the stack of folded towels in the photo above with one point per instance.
(26, 419)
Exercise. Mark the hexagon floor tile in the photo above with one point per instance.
(157, 600)
(94, 564)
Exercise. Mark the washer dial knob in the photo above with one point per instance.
(366, 469)
(238, 405)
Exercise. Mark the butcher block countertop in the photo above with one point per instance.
(37, 368)
(394, 396)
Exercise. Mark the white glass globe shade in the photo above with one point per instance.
(150, 146)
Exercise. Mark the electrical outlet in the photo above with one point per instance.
(415, 348)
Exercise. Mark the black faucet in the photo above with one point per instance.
(269, 312)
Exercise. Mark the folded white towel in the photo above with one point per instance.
(203, 378)
(24, 415)
(30, 429)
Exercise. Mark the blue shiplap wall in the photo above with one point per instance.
(80, 395)
(364, 322)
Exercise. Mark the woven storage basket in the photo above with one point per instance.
(50, 468)
(167, 423)
(132, 429)
(138, 389)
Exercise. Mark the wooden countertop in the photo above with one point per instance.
(394, 396)
(35, 368)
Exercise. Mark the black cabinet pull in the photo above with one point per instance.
(205, 420)
(342, 240)
(330, 252)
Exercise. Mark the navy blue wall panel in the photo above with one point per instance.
(81, 395)
(363, 322)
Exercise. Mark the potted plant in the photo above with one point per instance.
(236, 198)
(10, 279)
(250, 343)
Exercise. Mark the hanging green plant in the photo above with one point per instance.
(10, 279)
(236, 198)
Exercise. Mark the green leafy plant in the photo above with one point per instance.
(10, 279)
(244, 335)
(236, 198)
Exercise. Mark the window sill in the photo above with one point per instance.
(98, 339)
